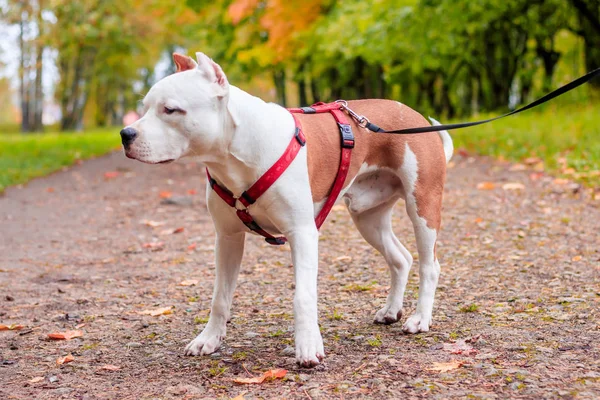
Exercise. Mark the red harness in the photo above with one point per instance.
(250, 196)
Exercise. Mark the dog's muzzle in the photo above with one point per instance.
(128, 135)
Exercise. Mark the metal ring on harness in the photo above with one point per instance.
(362, 121)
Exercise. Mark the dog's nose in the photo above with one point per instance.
(128, 135)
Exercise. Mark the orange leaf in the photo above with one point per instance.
(158, 311)
(109, 367)
(165, 194)
(153, 245)
(478, 220)
(192, 191)
(179, 230)
(50, 190)
(67, 335)
(576, 258)
(13, 327)
(269, 375)
(445, 367)
(192, 247)
(486, 185)
(111, 175)
(65, 359)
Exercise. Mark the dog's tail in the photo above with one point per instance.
(446, 141)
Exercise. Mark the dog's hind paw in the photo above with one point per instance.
(416, 323)
(203, 344)
(309, 349)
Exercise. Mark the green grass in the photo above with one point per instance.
(27, 156)
(552, 133)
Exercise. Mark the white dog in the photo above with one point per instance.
(239, 137)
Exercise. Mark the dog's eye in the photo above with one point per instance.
(169, 110)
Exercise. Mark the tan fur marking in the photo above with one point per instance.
(380, 149)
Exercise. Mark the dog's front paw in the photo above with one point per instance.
(388, 315)
(205, 343)
(417, 323)
(309, 348)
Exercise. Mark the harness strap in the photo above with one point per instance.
(263, 183)
(250, 196)
(347, 142)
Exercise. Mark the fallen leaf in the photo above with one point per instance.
(109, 367)
(513, 186)
(65, 359)
(13, 327)
(445, 367)
(576, 258)
(534, 176)
(478, 220)
(152, 224)
(158, 311)
(50, 190)
(240, 396)
(486, 185)
(153, 245)
(165, 194)
(111, 174)
(80, 326)
(188, 282)
(463, 152)
(179, 230)
(517, 167)
(342, 259)
(36, 379)
(560, 181)
(192, 191)
(459, 347)
(269, 375)
(67, 335)
(192, 247)
(532, 160)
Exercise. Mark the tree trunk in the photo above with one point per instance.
(38, 100)
(23, 89)
(279, 80)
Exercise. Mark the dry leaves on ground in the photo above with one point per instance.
(109, 367)
(151, 223)
(13, 327)
(447, 366)
(36, 379)
(158, 311)
(267, 376)
(111, 175)
(460, 347)
(66, 359)
(486, 186)
(154, 246)
(189, 282)
(513, 186)
(67, 335)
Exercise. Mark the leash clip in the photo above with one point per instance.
(360, 119)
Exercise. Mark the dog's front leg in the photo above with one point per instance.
(305, 256)
(228, 256)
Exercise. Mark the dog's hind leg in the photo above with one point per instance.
(375, 225)
(228, 250)
(424, 189)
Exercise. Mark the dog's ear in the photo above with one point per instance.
(212, 71)
(183, 62)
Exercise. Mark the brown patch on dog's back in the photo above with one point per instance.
(377, 149)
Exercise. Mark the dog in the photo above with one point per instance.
(196, 112)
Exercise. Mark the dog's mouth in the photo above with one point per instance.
(167, 161)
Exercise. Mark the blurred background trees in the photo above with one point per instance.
(449, 58)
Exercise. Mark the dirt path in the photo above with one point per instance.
(518, 299)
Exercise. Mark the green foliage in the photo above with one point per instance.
(556, 132)
(24, 157)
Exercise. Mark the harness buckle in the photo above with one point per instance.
(347, 136)
(300, 137)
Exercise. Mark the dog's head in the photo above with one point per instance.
(184, 114)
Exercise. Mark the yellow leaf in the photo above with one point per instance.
(158, 311)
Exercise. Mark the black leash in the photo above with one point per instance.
(435, 128)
